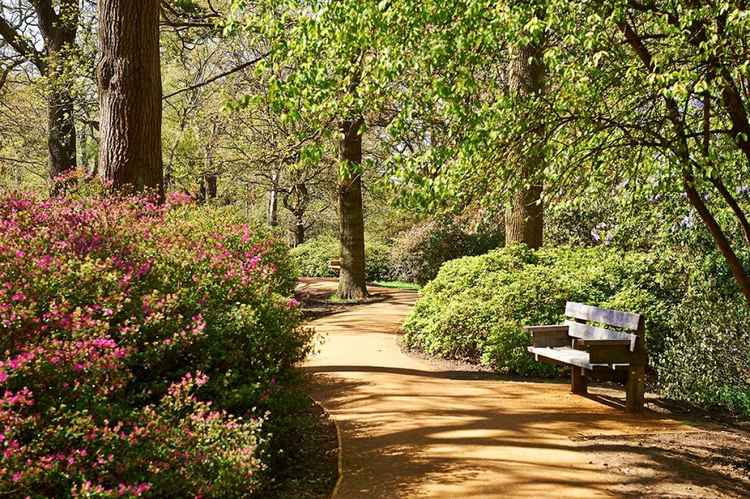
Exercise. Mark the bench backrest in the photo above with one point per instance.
(580, 315)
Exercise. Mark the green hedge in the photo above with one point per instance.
(312, 258)
(476, 307)
(707, 356)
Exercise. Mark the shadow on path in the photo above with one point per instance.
(412, 430)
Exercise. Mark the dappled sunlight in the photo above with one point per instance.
(413, 430)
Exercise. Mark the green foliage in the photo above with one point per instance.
(476, 306)
(707, 358)
(377, 263)
(418, 253)
(312, 258)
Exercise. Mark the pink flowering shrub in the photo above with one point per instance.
(143, 348)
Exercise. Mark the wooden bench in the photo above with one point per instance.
(335, 265)
(587, 342)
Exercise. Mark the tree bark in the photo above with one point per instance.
(352, 277)
(129, 76)
(720, 239)
(299, 233)
(211, 180)
(272, 210)
(524, 219)
(59, 33)
(61, 126)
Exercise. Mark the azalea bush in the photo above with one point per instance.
(145, 348)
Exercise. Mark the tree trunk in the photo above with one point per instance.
(352, 276)
(524, 219)
(61, 133)
(720, 239)
(211, 180)
(129, 76)
(273, 207)
(59, 33)
(299, 233)
(272, 212)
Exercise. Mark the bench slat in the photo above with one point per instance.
(617, 318)
(573, 357)
(549, 336)
(592, 334)
(579, 358)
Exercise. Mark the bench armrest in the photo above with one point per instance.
(549, 336)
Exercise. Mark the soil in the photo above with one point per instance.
(412, 426)
(313, 471)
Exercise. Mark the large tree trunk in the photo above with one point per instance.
(352, 276)
(61, 133)
(129, 77)
(524, 219)
(59, 33)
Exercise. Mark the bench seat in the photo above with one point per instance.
(571, 356)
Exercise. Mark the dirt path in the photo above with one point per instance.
(410, 429)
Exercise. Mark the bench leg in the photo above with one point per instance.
(635, 388)
(578, 381)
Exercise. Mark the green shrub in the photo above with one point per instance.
(377, 261)
(707, 357)
(476, 307)
(312, 258)
(418, 253)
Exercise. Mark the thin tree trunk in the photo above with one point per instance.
(129, 76)
(734, 205)
(524, 219)
(673, 113)
(272, 212)
(720, 239)
(715, 180)
(352, 276)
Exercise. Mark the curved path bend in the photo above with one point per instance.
(410, 429)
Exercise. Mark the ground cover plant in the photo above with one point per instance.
(144, 351)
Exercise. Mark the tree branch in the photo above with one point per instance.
(217, 77)
(13, 38)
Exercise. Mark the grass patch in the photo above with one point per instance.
(397, 285)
